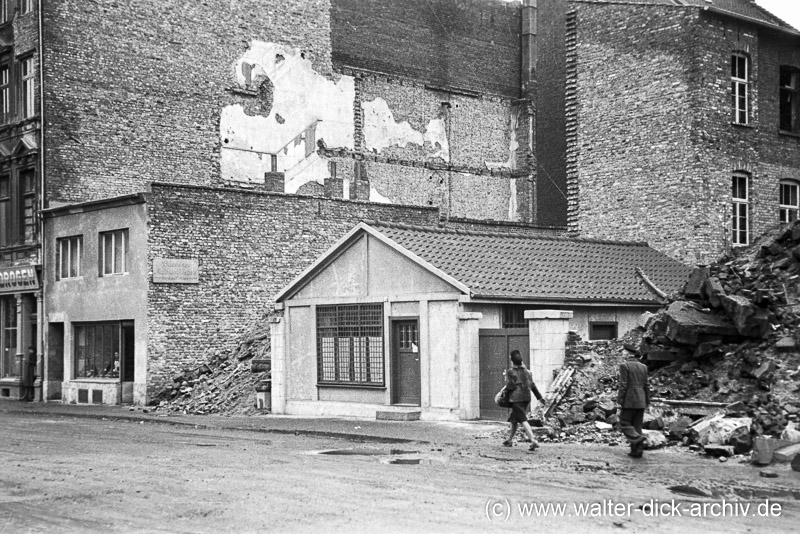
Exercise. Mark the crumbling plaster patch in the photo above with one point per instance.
(382, 131)
(305, 107)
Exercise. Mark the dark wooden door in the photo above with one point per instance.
(405, 363)
(495, 346)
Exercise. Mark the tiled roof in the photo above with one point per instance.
(532, 267)
(741, 8)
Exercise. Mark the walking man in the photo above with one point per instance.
(633, 398)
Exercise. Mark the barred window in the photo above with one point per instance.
(350, 344)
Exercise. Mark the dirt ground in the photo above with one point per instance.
(64, 474)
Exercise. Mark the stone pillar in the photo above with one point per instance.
(547, 331)
(468, 365)
(277, 331)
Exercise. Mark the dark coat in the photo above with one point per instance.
(520, 383)
(634, 391)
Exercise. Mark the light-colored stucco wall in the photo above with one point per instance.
(113, 298)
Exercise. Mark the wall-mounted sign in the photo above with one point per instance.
(15, 279)
(173, 271)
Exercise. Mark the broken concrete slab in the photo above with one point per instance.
(713, 290)
(786, 454)
(785, 344)
(750, 320)
(685, 322)
(693, 288)
(764, 449)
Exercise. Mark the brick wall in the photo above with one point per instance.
(134, 89)
(470, 44)
(653, 149)
(249, 245)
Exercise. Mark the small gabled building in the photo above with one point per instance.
(401, 318)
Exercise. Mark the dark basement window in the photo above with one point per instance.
(598, 331)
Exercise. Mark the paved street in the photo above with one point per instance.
(67, 470)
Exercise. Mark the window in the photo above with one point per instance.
(6, 237)
(599, 331)
(8, 333)
(27, 89)
(789, 204)
(27, 6)
(4, 11)
(5, 93)
(739, 87)
(513, 316)
(739, 218)
(350, 344)
(113, 252)
(790, 100)
(69, 256)
(97, 350)
(27, 212)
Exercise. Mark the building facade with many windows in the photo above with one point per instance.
(20, 193)
(682, 123)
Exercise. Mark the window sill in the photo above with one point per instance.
(743, 125)
(787, 133)
(96, 380)
(70, 279)
(353, 386)
(113, 275)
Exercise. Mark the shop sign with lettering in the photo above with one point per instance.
(175, 271)
(16, 279)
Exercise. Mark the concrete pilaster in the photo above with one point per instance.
(469, 365)
(547, 330)
(277, 331)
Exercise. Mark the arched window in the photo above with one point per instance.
(789, 201)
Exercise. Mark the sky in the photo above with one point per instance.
(788, 10)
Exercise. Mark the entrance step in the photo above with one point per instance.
(406, 415)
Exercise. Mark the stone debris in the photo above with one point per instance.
(227, 381)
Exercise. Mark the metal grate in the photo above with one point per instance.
(350, 344)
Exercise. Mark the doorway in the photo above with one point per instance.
(495, 346)
(406, 384)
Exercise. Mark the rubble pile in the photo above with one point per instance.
(226, 382)
(723, 354)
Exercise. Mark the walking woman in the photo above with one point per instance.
(519, 384)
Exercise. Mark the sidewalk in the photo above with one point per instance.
(433, 432)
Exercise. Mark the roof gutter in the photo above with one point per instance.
(752, 20)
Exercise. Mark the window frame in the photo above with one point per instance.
(740, 210)
(9, 366)
(789, 100)
(6, 102)
(792, 206)
(27, 86)
(740, 89)
(107, 370)
(26, 6)
(73, 241)
(124, 252)
(7, 237)
(593, 324)
(362, 325)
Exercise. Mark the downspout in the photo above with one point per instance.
(41, 308)
(530, 57)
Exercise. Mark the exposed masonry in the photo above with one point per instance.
(248, 246)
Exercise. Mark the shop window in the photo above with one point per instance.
(27, 87)
(790, 100)
(740, 223)
(69, 257)
(601, 330)
(9, 365)
(113, 252)
(350, 344)
(100, 349)
(789, 201)
(740, 81)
